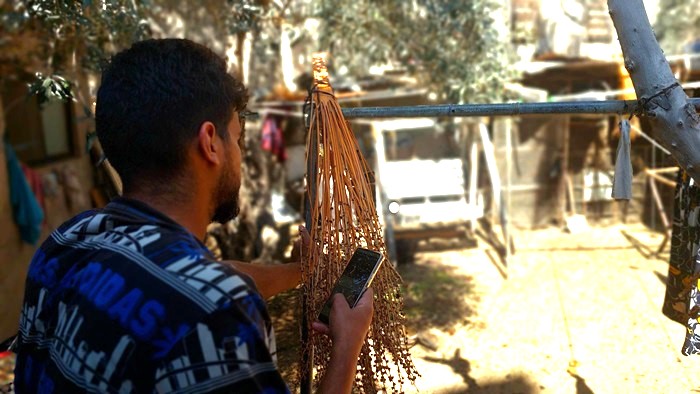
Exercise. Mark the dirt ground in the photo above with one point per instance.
(576, 314)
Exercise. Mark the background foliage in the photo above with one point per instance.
(452, 46)
(72, 39)
(678, 25)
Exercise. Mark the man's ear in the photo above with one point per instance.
(208, 143)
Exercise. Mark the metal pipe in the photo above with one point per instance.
(501, 109)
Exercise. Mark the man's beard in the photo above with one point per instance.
(226, 198)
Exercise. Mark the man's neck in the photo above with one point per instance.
(188, 212)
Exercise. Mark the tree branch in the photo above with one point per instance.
(662, 98)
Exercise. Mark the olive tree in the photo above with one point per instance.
(453, 47)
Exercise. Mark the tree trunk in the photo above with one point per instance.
(661, 97)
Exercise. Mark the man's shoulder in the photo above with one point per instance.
(181, 260)
(77, 218)
(216, 280)
(105, 234)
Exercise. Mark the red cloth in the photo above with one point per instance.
(272, 140)
(34, 181)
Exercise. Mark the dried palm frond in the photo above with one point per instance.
(343, 217)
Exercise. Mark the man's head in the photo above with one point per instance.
(156, 103)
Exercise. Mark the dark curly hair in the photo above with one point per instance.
(152, 100)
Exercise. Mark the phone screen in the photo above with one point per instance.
(356, 277)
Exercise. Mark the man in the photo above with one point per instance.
(127, 298)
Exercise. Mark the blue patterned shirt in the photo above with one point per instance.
(125, 300)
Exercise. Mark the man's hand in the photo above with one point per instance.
(349, 325)
(348, 329)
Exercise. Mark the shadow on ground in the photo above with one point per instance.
(663, 278)
(511, 383)
(285, 312)
(582, 386)
(647, 252)
(459, 365)
(435, 296)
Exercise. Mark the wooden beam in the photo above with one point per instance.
(660, 178)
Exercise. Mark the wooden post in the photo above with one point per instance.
(659, 203)
(564, 169)
(662, 97)
(490, 158)
(473, 170)
(506, 220)
(307, 354)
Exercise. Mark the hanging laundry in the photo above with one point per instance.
(26, 210)
(76, 196)
(689, 278)
(37, 186)
(682, 300)
(272, 140)
(692, 335)
(50, 184)
(622, 181)
(685, 240)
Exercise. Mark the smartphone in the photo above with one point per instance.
(356, 278)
